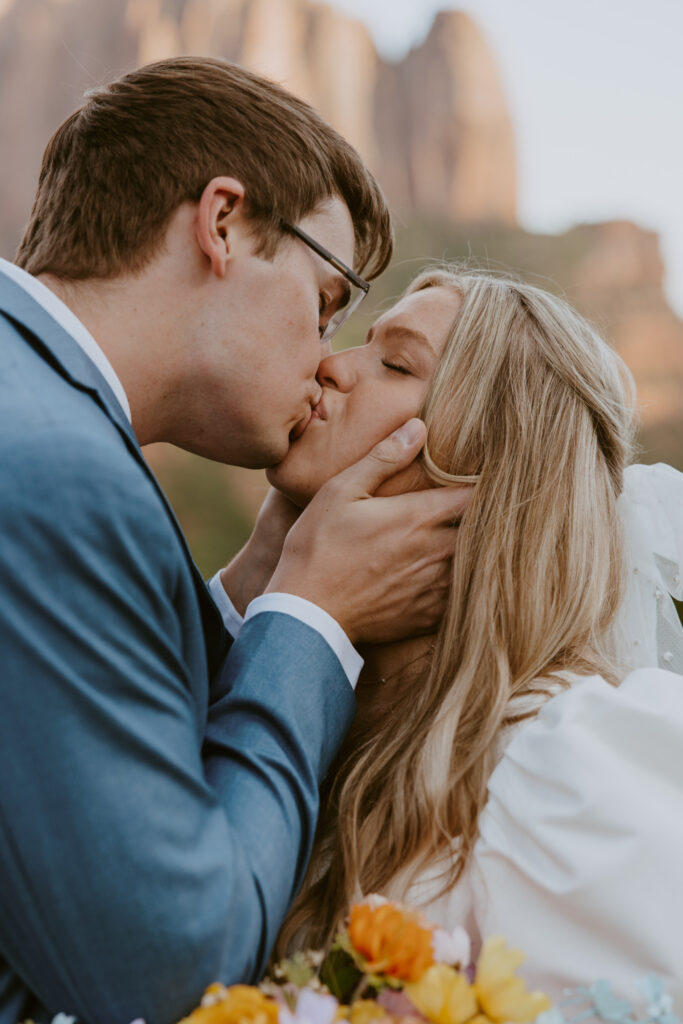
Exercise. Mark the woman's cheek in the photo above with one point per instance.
(326, 449)
(307, 467)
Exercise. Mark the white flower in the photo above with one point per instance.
(451, 947)
(374, 900)
(311, 1008)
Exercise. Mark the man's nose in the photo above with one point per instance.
(338, 370)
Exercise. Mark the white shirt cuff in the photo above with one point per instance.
(232, 620)
(299, 608)
(316, 618)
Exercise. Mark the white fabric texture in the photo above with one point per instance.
(580, 857)
(232, 620)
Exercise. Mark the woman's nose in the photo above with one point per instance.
(338, 370)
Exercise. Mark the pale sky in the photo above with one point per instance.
(596, 94)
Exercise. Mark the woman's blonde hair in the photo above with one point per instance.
(529, 399)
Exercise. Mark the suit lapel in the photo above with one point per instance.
(56, 346)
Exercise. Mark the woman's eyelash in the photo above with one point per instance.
(394, 366)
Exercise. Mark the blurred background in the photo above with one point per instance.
(543, 137)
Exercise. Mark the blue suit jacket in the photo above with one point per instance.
(158, 795)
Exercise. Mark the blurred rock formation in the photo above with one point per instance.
(434, 127)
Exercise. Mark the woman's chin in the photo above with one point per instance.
(299, 492)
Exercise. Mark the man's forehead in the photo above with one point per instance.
(332, 227)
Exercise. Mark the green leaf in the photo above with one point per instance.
(340, 973)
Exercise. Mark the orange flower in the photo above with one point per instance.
(393, 940)
(240, 1004)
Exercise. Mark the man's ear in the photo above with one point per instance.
(220, 207)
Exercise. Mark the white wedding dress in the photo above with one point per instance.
(580, 857)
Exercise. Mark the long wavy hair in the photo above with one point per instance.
(528, 399)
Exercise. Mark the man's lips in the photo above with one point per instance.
(317, 413)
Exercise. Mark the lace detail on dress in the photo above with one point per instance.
(648, 632)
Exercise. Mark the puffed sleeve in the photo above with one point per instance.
(580, 856)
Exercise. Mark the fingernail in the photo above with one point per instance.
(409, 433)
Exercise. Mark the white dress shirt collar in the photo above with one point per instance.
(71, 324)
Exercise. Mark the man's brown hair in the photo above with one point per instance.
(116, 170)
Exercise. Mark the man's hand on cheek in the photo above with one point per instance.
(380, 566)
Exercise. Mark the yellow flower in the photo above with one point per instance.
(240, 1004)
(393, 940)
(443, 995)
(502, 995)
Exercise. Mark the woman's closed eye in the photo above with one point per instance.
(397, 367)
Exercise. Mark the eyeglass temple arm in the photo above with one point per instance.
(329, 257)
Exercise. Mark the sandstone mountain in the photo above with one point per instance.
(434, 127)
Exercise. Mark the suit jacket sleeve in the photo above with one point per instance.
(150, 844)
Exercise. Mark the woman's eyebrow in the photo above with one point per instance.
(408, 334)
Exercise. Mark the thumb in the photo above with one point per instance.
(388, 457)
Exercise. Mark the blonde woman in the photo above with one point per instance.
(520, 772)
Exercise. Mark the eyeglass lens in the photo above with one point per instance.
(342, 315)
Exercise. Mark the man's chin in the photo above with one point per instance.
(229, 455)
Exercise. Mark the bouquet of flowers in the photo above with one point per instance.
(390, 965)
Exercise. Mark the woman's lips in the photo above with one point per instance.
(315, 414)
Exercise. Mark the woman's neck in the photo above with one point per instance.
(388, 667)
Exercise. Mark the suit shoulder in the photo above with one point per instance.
(71, 452)
(87, 481)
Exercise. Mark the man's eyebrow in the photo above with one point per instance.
(345, 296)
(400, 333)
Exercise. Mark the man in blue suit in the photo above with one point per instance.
(191, 240)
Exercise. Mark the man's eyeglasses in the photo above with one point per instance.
(356, 288)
